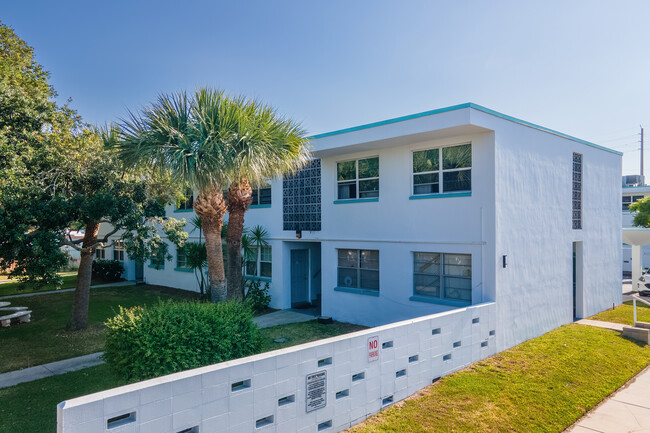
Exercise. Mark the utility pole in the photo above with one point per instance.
(642, 177)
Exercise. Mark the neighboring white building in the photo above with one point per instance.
(435, 211)
(630, 195)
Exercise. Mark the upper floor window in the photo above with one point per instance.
(358, 269)
(445, 169)
(118, 251)
(259, 264)
(261, 195)
(629, 199)
(358, 178)
(443, 275)
(187, 203)
(577, 191)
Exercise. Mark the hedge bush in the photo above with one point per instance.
(107, 270)
(173, 336)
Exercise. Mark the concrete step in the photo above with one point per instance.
(644, 325)
(637, 333)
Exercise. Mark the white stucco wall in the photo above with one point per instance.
(533, 228)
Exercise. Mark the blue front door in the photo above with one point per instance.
(299, 277)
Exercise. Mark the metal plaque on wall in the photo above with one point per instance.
(316, 395)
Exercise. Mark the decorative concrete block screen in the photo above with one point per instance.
(325, 386)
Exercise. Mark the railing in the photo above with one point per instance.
(634, 299)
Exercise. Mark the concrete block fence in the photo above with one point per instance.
(324, 386)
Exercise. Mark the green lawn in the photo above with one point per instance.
(624, 314)
(542, 385)
(14, 287)
(39, 398)
(45, 339)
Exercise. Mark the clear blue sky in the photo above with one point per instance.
(579, 66)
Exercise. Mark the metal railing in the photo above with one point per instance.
(634, 299)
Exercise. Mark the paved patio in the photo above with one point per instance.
(627, 410)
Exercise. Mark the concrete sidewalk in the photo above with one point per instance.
(600, 324)
(282, 317)
(49, 292)
(51, 369)
(627, 410)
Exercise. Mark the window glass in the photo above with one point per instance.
(187, 202)
(358, 179)
(358, 269)
(457, 180)
(457, 157)
(346, 170)
(181, 258)
(425, 160)
(118, 251)
(454, 175)
(368, 168)
(261, 195)
(259, 262)
(444, 276)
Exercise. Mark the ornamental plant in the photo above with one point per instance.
(168, 337)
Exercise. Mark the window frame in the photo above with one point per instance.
(358, 268)
(258, 264)
(118, 250)
(357, 179)
(631, 198)
(98, 249)
(180, 252)
(157, 261)
(257, 195)
(419, 296)
(441, 170)
(187, 204)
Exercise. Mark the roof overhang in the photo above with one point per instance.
(636, 236)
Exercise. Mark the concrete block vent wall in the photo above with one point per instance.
(268, 392)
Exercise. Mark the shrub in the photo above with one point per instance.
(173, 336)
(257, 296)
(107, 270)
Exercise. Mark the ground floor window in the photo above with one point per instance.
(118, 251)
(100, 253)
(181, 259)
(259, 264)
(443, 275)
(358, 269)
(158, 259)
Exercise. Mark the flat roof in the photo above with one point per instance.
(460, 107)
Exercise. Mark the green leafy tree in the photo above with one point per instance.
(59, 173)
(642, 212)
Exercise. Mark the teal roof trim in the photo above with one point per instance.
(460, 107)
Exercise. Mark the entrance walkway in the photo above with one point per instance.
(627, 410)
(282, 317)
(600, 324)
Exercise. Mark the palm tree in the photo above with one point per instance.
(268, 146)
(189, 138)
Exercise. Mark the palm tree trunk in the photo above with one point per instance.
(239, 198)
(210, 206)
(79, 317)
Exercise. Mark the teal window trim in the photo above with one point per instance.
(183, 269)
(357, 200)
(259, 206)
(432, 300)
(183, 210)
(254, 278)
(156, 267)
(357, 291)
(441, 195)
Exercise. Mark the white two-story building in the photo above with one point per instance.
(434, 211)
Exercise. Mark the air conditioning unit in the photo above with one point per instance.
(632, 180)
